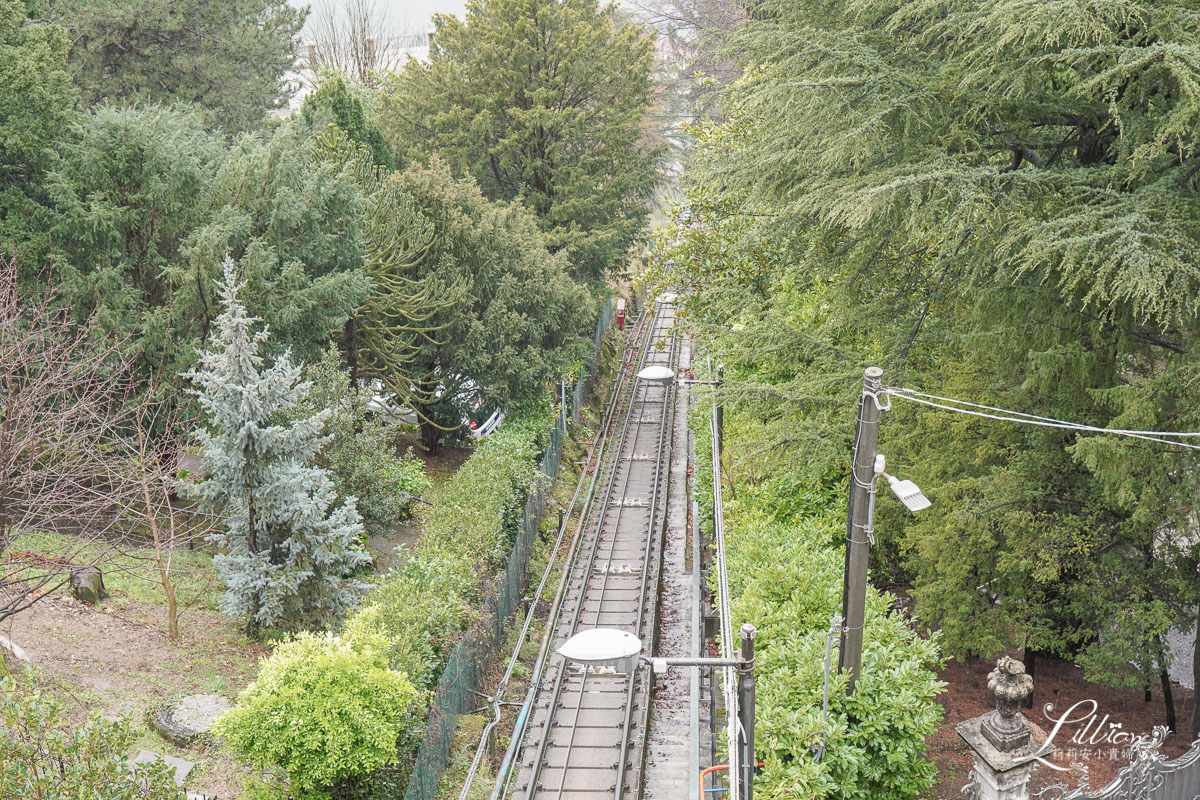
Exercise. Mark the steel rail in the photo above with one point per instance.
(667, 420)
(614, 471)
(595, 455)
(581, 693)
(621, 386)
(636, 401)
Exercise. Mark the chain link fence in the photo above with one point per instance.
(458, 690)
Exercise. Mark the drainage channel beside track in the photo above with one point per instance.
(586, 738)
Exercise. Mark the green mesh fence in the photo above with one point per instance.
(457, 690)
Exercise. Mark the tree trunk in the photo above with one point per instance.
(1169, 699)
(431, 437)
(1030, 659)
(350, 348)
(172, 608)
(1195, 726)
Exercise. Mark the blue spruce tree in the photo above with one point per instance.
(288, 552)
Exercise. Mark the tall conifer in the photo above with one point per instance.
(289, 552)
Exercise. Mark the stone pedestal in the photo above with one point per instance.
(998, 775)
(1002, 740)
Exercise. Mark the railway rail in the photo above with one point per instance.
(585, 737)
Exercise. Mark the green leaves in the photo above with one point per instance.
(46, 756)
(228, 58)
(786, 578)
(322, 711)
(36, 96)
(995, 202)
(541, 101)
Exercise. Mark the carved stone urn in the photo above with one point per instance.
(1005, 727)
(1001, 739)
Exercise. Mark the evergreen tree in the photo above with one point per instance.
(542, 100)
(146, 203)
(289, 553)
(993, 201)
(517, 316)
(36, 97)
(229, 58)
(37, 100)
(341, 102)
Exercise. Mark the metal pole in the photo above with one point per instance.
(854, 594)
(719, 411)
(746, 710)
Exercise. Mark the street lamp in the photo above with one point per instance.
(609, 647)
(657, 375)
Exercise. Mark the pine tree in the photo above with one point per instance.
(543, 100)
(289, 552)
(231, 58)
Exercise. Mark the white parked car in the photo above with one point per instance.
(482, 418)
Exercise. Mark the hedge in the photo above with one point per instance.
(419, 608)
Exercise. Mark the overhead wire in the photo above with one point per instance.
(1020, 417)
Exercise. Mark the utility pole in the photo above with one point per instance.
(858, 526)
(746, 701)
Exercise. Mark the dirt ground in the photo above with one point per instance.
(1060, 683)
(115, 657)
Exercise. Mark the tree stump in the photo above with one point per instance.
(87, 584)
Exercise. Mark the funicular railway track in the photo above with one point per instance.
(586, 738)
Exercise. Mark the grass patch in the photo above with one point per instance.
(130, 571)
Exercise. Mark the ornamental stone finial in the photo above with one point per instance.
(1009, 684)
(1002, 741)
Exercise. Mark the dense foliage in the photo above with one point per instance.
(516, 316)
(411, 618)
(784, 532)
(360, 452)
(996, 202)
(289, 544)
(420, 607)
(541, 100)
(320, 711)
(147, 203)
(44, 756)
(229, 58)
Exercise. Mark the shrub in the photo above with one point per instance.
(322, 711)
(43, 757)
(360, 453)
(785, 554)
(421, 607)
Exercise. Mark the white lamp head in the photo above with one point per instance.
(603, 647)
(909, 494)
(658, 375)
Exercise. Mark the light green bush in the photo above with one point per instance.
(785, 553)
(321, 711)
